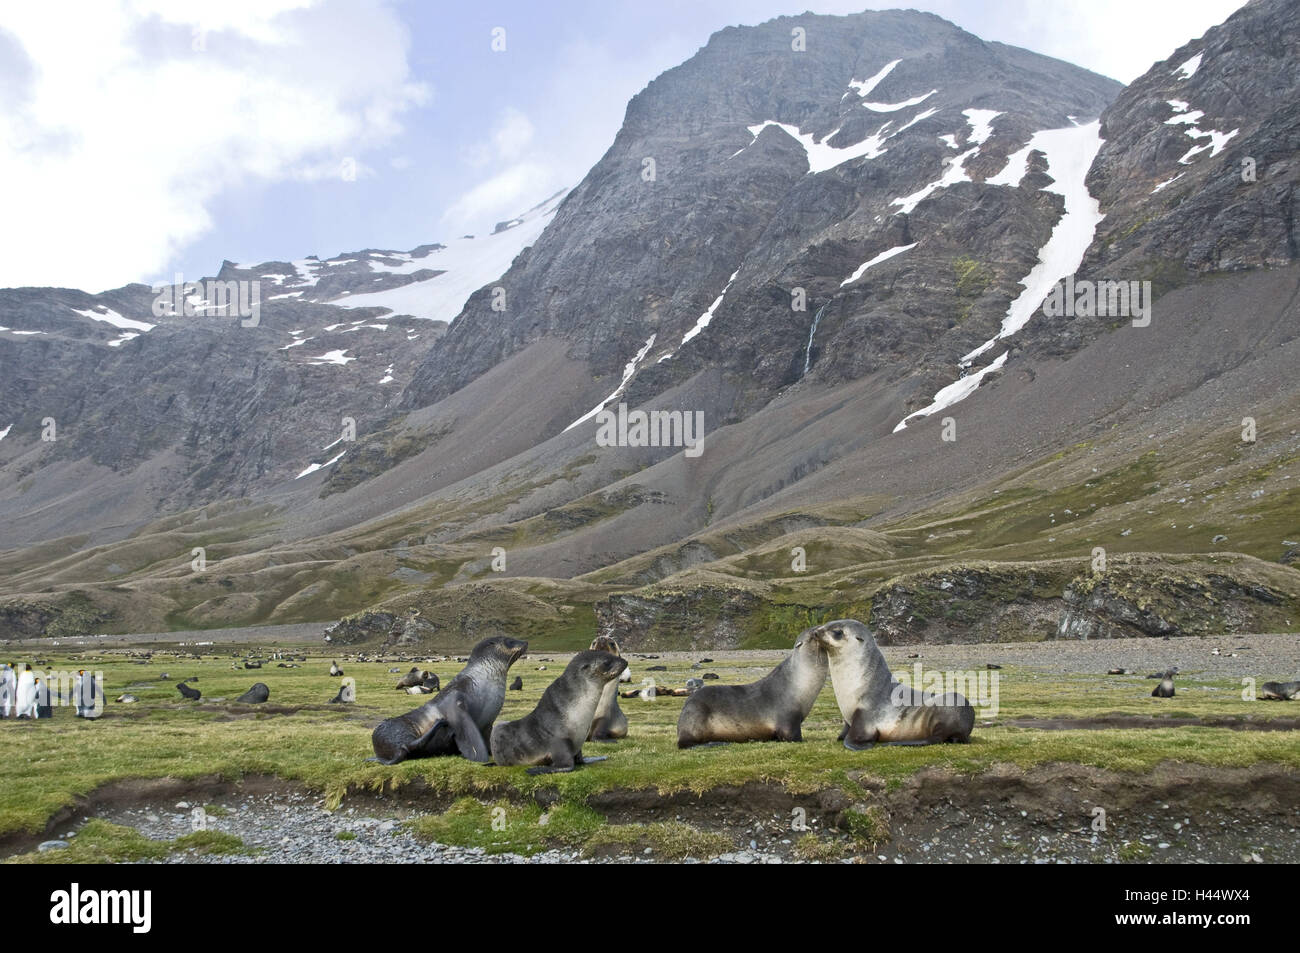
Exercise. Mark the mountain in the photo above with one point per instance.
(837, 257)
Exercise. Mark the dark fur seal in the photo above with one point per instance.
(411, 679)
(193, 694)
(457, 719)
(550, 737)
(1279, 691)
(255, 695)
(609, 723)
(876, 707)
(517, 685)
(771, 709)
(1166, 687)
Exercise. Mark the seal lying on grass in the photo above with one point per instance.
(876, 707)
(550, 737)
(771, 709)
(1279, 691)
(457, 719)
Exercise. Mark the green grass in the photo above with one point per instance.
(99, 842)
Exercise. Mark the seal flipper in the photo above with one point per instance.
(469, 740)
(856, 735)
(583, 760)
(562, 761)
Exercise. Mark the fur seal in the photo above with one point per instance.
(457, 719)
(193, 694)
(517, 685)
(878, 708)
(335, 671)
(126, 699)
(412, 678)
(1166, 687)
(609, 723)
(1279, 691)
(771, 709)
(255, 695)
(693, 685)
(550, 737)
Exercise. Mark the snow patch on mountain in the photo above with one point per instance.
(703, 320)
(467, 264)
(883, 256)
(320, 466)
(628, 370)
(958, 390)
(820, 155)
(109, 316)
(1167, 182)
(333, 357)
(953, 174)
(894, 107)
(864, 87)
(1069, 154)
(1189, 68)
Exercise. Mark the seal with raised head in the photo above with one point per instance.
(412, 678)
(550, 737)
(1166, 687)
(457, 719)
(876, 707)
(770, 709)
(610, 723)
(193, 694)
(1279, 691)
(255, 695)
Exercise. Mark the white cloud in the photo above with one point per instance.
(509, 192)
(126, 129)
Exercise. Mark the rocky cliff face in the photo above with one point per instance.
(753, 170)
(1198, 171)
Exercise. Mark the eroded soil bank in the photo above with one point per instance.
(1178, 813)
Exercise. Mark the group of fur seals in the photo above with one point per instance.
(457, 718)
(582, 705)
(875, 706)
(609, 722)
(550, 737)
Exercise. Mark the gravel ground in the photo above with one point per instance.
(296, 829)
(1267, 657)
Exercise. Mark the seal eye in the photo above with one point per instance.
(859, 638)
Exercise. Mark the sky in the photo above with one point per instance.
(141, 139)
